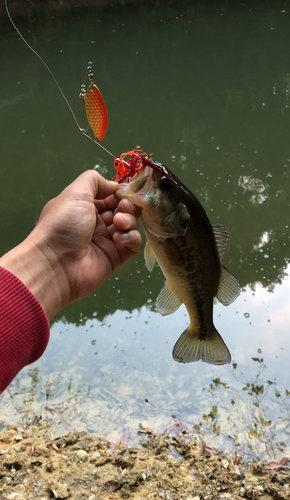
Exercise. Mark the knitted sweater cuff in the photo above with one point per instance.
(24, 327)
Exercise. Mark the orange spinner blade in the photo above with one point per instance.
(96, 111)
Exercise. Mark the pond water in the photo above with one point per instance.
(206, 89)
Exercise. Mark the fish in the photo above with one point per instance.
(189, 251)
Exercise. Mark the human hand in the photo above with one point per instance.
(81, 237)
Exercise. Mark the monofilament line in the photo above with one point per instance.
(55, 81)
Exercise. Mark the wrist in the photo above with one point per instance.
(39, 270)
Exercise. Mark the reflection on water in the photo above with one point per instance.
(206, 90)
(122, 374)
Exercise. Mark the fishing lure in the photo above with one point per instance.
(93, 98)
(97, 116)
(136, 161)
(96, 110)
(131, 166)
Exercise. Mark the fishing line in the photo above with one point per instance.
(82, 130)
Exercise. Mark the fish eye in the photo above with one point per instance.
(164, 183)
(116, 163)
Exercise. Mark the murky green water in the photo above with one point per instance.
(206, 90)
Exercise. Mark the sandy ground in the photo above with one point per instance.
(82, 466)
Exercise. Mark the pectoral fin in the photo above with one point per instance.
(167, 302)
(149, 256)
(191, 348)
(229, 287)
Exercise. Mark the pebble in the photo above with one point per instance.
(15, 496)
(4, 451)
(95, 455)
(143, 454)
(237, 473)
(259, 489)
(81, 454)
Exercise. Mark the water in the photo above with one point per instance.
(206, 90)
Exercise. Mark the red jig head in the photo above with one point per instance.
(130, 167)
(137, 160)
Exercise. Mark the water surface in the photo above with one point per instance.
(206, 90)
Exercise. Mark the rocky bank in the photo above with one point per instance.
(79, 466)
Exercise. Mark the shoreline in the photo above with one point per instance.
(34, 464)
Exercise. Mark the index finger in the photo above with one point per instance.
(92, 185)
(109, 203)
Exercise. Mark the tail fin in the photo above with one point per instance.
(191, 348)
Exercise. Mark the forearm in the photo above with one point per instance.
(24, 328)
(37, 272)
(30, 295)
(77, 243)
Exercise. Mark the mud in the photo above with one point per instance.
(79, 466)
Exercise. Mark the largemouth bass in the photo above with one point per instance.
(189, 251)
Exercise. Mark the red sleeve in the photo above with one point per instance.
(24, 327)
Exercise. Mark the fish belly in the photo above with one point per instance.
(189, 283)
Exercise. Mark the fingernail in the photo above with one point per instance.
(124, 237)
(127, 219)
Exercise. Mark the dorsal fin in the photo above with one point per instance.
(221, 234)
(229, 287)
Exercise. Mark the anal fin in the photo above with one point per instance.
(189, 348)
(221, 234)
(167, 302)
(229, 288)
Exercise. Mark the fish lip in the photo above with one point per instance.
(139, 178)
(143, 170)
(123, 182)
